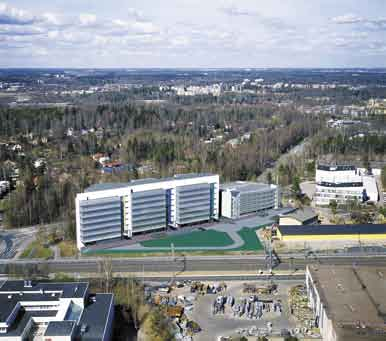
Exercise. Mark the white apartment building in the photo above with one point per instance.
(240, 197)
(344, 183)
(114, 210)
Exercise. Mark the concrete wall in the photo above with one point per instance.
(325, 324)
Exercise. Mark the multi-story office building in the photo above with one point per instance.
(107, 211)
(342, 184)
(55, 311)
(239, 198)
(348, 302)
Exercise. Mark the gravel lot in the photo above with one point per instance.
(226, 324)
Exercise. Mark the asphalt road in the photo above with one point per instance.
(188, 264)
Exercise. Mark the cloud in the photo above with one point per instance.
(13, 16)
(13, 30)
(123, 27)
(349, 18)
(87, 19)
(135, 14)
(238, 12)
(51, 19)
(269, 22)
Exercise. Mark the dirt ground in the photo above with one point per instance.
(227, 324)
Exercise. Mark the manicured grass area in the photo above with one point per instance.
(37, 250)
(251, 241)
(197, 238)
(67, 248)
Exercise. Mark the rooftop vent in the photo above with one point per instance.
(83, 328)
(27, 284)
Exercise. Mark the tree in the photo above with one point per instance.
(269, 178)
(157, 327)
(105, 268)
(296, 185)
(383, 177)
(333, 206)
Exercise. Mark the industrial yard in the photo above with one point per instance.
(206, 311)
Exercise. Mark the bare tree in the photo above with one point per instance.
(105, 267)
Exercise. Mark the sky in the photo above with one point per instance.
(193, 33)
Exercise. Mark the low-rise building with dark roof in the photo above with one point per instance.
(301, 216)
(331, 232)
(64, 311)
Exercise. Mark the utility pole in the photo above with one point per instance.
(143, 274)
(173, 273)
(172, 248)
(269, 256)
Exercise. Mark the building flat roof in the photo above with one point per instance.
(95, 317)
(302, 214)
(333, 168)
(23, 317)
(308, 230)
(117, 185)
(11, 292)
(106, 186)
(60, 328)
(354, 299)
(244, 186)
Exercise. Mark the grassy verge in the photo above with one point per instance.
(67, 248)
(37, 250)
(251, 241)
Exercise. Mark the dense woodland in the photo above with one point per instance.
(181, 135)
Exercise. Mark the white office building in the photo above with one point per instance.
(344, 183)
(240, 198)
(114, 210)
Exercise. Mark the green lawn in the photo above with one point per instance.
(251, 242)
(36, 250)
(197, 238)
